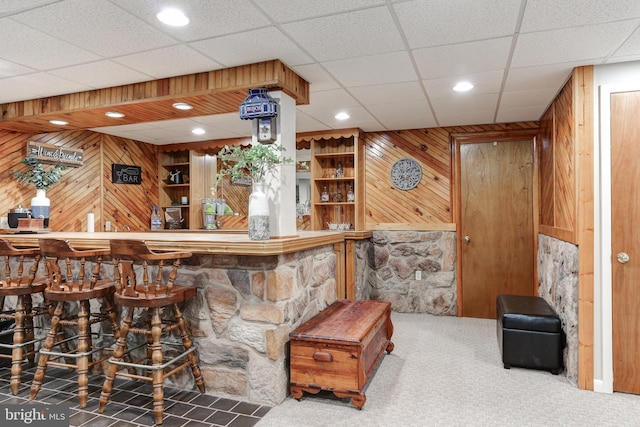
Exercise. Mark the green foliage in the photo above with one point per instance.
(37, 175)
(256, 161)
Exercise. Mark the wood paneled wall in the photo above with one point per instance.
(125, 204)
(428, 206)
(557, 168)
(81, 189)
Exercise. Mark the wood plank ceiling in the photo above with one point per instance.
(213, 92)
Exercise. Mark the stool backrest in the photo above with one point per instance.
(127, 254)
(14, 277)
(59, 251)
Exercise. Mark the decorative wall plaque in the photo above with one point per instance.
(47, 153)
(406, 174)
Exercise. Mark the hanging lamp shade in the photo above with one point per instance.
(258, 104)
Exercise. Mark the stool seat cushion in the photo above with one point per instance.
(527, 313)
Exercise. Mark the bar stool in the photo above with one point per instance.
(20, 283)
(67, 286)
(156, 360)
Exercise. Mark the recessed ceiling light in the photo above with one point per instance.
(114, 114)
(463, 86)
(198, 131)
(182, 106)
(58, 122)
(342, 116)
(173, 17)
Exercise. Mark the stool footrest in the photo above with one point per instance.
(152, 367)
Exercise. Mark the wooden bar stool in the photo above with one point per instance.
(67, 284)
(155, 290)
(20, 283)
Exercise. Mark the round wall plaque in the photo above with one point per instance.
(406, 174)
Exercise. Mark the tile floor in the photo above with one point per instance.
(131, 403)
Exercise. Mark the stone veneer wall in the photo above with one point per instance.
(394, 257)
(558, 285)
(243, 313)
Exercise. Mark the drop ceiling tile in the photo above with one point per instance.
(527, 98)
(435, 23)
(32, 48)
(543, 15)
(8, 69)
(463, 103)
(511, 115)
(100, 74)
(305, 123)
(590, 44)
(206, 18)
(464, 58)
(168, 62)
(623, 59)
(631, 47)
(372, 70)
(287, 10)
(388, 93)
(96, 26)
(539, 77)
(329, 99)
(253, 46)
(482, 83)
(230, 122)
(476, 117)
(38, 85)
(404, 115)
(14, 6)
(352, 34)
(319, 79)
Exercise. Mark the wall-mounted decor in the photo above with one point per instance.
(126, 174)
(406, 174)
(47, 153)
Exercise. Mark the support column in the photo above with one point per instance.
(282, 187)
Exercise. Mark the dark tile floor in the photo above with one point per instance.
(131, 403)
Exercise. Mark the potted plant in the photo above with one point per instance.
(256, 162)
(41, 178)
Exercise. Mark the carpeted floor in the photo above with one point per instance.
(447, 371)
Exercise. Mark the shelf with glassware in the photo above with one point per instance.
(337, 191)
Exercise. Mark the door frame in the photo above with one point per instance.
(456, 140)
(603, 268)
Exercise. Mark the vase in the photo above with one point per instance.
(40, 206)
(259, 213)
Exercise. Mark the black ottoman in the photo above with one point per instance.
(529, 333)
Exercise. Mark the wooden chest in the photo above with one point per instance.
(339, 349)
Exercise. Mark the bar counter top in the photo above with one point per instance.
(220, 242)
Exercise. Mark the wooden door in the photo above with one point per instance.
(625, 239)
(496, 223)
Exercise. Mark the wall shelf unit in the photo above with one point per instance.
(331, 152)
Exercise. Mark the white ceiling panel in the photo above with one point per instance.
(590, 44)
(370, 70)
(98, 26)
(170, 61)
(482, 83)
(97, 74)
(434, 23)
(463, 58)
(388, 93)
(543, 15)
(348, 35)
(386, 62)
(253, 46)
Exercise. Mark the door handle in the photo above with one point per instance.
(623, 258)
(467, 239)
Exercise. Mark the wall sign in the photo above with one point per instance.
(126, 174)
(47, 153)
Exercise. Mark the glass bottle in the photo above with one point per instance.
(351, 197)
(339, 170)
(324, 196)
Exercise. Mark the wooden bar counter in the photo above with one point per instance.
(251, 294)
